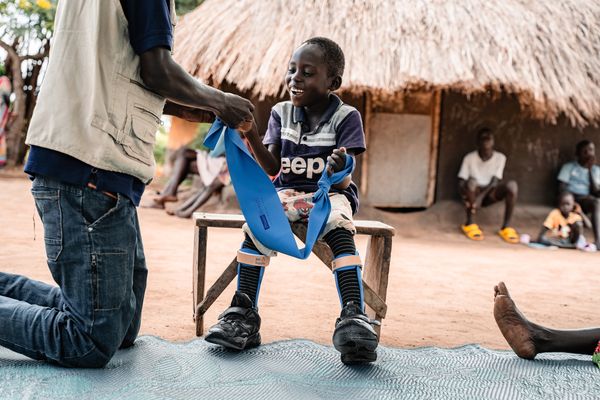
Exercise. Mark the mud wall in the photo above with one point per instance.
(535, 150)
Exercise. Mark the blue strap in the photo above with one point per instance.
(259, 201)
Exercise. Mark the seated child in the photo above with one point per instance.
(563, 227)
(307, 136)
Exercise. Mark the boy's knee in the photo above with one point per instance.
(471, 185)
(512, 187)
(596, 204)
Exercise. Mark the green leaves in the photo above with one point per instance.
(185, 6)
(26, 21)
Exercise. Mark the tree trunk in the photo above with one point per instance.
(17, 122)
(24, 102)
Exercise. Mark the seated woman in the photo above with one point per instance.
(184, 163)
(197, 200)
(527, 339)
(213, 174)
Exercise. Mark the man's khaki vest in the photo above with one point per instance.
(92, 103)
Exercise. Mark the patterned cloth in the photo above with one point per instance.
(596, 356)
(297, 206)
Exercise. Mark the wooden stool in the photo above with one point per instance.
(375, 269)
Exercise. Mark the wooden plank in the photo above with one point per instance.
(364, 174)
(219, 220)
(377, 267)
(213, 293)
(199, 273)
(366, 227)
(404, 138)
(435, 140)
(363, 227)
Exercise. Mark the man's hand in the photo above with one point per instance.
(336, 161)
(235, 111)
(590, 162)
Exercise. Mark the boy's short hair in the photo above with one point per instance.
(484, 132)
(581, 145)
(333, 55)
(564, 194)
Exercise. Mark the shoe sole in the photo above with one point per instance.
(249, 342)
(355, 347)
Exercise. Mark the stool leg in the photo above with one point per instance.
(199, 272)
(377, 268)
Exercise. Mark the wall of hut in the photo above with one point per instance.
(535, 150)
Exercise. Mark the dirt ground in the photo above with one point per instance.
(440, 285)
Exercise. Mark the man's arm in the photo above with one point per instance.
(188, 113)
(164, 76)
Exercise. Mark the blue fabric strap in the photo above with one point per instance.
(259, 201)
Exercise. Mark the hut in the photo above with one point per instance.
(425, 74)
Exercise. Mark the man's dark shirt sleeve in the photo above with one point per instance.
(149, 24)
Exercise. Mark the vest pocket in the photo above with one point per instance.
(139, 144)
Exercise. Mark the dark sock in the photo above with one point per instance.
(349, 286)
(249, 244)
(348, 279)
(250, 276)
(340, 241)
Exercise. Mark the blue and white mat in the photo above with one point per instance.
(299, 369)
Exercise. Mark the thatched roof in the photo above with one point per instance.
(546, 51)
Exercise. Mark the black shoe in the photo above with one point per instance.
(354, 336)
(238, 326)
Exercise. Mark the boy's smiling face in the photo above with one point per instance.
(307, 78)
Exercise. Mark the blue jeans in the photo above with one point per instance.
(95, 255)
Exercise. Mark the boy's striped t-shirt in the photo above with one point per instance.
(304, 152)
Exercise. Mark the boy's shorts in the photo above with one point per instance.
(297, 206)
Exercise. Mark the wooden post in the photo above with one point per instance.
(364, 169)
(200, 240)
(435, 140)
(218, 287)
(376, 269)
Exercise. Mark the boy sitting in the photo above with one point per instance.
(563, 226)
(480, 185)
(307, 136)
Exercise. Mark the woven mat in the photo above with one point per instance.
(299, 369)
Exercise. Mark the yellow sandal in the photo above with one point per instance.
(509, 235)
(472, 232)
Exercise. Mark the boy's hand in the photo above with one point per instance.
(336, 161)
(245, 126)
